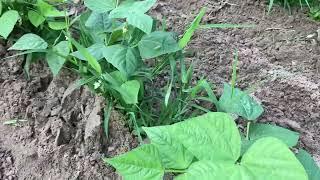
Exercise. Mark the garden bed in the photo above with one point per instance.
(63, 139)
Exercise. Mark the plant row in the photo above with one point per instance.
(120, 53)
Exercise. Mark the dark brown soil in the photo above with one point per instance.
(64, 140)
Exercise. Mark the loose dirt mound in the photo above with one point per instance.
(60, 140)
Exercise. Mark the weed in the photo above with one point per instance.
(313, 6)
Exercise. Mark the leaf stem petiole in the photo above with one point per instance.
(174, 171)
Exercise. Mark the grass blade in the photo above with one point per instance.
(270, 6)
(27, 64)
(224, 26)
(173, 69)
(137, 129)
(193, 27)
(107, 114)
(93, 62)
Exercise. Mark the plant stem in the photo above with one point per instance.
(174, 171)
(248, 130)
(136, 127)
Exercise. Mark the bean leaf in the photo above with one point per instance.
(100, 6)
(55, 59)
(7, 22)
(134, 12)
(268, 158)
(35, 18)
(125, 59)
(157, 43)
(258, 130)
(309, 164)
(130, 91)
(214, 140)
(99, 22)
(141, 21)
(146, 167)
(129, 8)
(30, 42)
(173, 154)
(47, 10)
(240, 103)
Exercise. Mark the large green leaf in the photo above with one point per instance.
(7, 22)
(29, 42)
(54, 57)
(258, 131)
(96, 50)
(47, 10)
(100, 6)
(141, 21)
(130, 91)
(142, 163)
(216, 133)
(157, 43)
(268, 158)
(131, 8)
(99, 22)
(173, 154)
(309, 164)
(125, 59)
(35, 18)
(240, 103)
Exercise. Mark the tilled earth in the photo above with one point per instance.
(63, 138)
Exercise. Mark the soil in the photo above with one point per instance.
(279, 61)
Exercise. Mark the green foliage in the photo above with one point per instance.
(119, 53)
(142, 163)
(56, 57)
(233, 100)
(258, 131)
(7, 22)
(207, 147)
(156, 44)
(309, 164)
(100, 6)
(126, 59)
(92, 61)
(130, 91)
(193, 27)
(312, 5)
(29, 42)
(35, 18)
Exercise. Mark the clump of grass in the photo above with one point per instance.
(287, 4)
